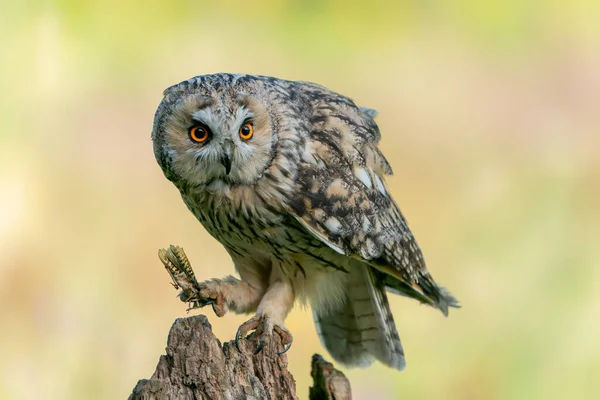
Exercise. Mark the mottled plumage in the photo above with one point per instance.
(302, 208)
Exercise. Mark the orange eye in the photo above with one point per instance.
(246, 131)
(199, 133)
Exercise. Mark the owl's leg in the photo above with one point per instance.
(270, 315)
(230, 294)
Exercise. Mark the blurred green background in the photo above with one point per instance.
(490, 113)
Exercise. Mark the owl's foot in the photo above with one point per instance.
(208, 293)
(227, 294)
(264, 327)
(196, 294)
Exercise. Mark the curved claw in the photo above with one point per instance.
(285, 350)
(265, 330)
(237, 339)
(246, 327)
(260, 347)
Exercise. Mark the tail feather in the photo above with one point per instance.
(363, 329)
(426, 291)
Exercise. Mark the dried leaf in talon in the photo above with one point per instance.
(178, 257)
(180, 270)
(171, 269)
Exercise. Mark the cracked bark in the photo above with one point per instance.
(197, 366)
(328, 382)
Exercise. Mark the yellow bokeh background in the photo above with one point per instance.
(490, 114)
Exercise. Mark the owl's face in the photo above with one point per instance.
(213, 137)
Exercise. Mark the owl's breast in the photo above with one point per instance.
(246, 224)
(272, 235)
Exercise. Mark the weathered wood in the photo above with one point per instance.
(197, 366)
(328, 382)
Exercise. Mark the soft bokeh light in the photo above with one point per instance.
(490, 118)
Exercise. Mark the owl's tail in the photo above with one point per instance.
(363, 329)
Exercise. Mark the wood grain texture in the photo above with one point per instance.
(198, 366)
(328, 382)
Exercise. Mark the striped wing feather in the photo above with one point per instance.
(343, 199)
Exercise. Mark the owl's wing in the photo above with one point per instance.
(342, 199)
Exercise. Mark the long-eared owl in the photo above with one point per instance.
(287, 176)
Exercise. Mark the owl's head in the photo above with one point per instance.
(213, 131)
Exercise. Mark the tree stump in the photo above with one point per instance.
(328, 382)
(197, 366)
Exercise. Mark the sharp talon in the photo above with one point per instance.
(237, 340)
(286, 349)
(243, 330)
(260, 347)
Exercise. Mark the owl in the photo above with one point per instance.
(288, 177)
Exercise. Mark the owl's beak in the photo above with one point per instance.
(226, 161)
